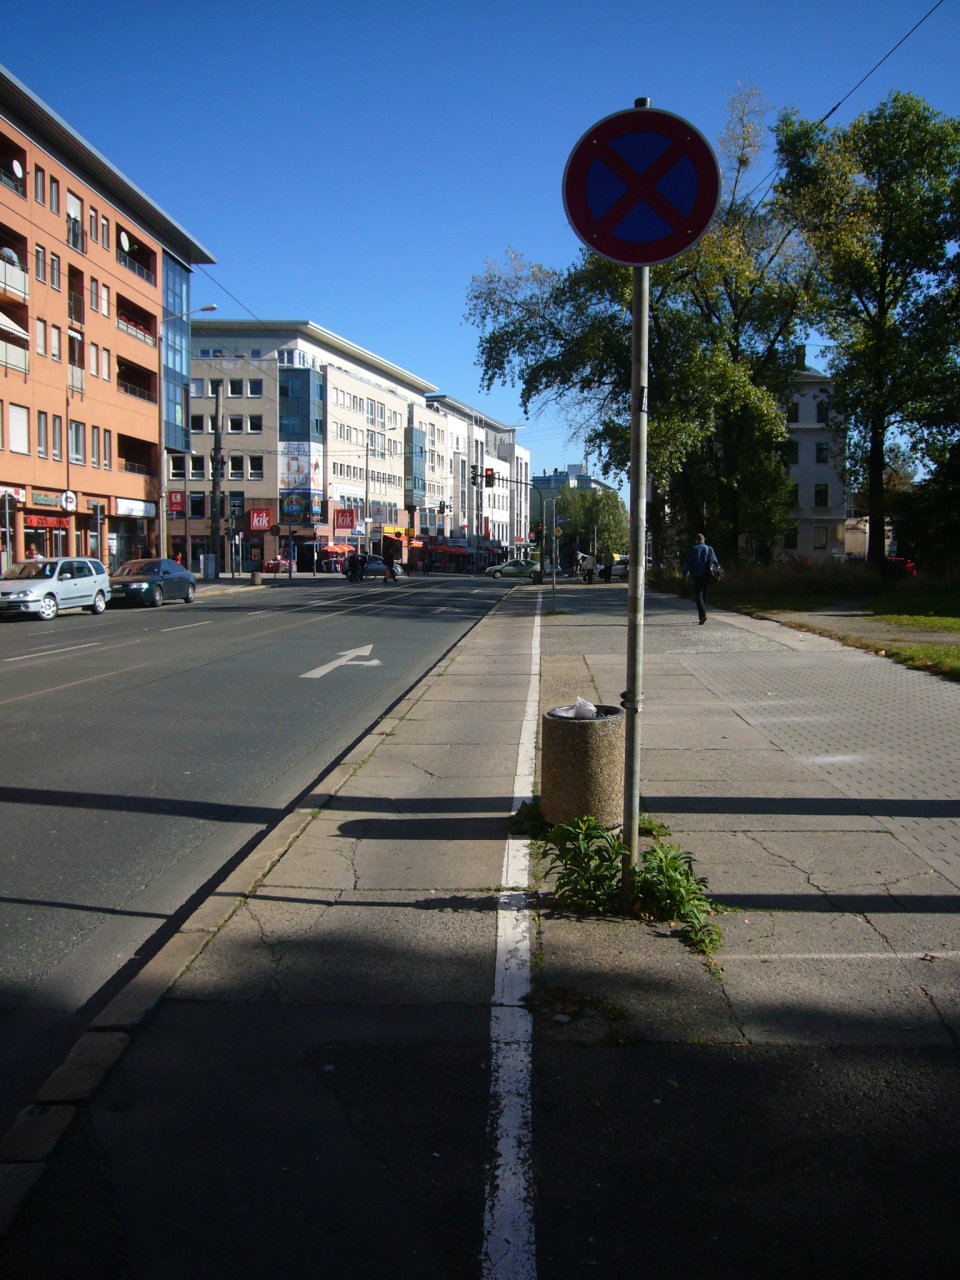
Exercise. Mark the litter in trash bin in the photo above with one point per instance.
(581, 710)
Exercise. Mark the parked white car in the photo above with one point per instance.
(44, 587)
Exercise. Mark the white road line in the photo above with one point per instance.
(509, 1247)
(187, 626)
(48, 653)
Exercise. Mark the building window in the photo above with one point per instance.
(793, 411)
(822, 412)
(105, 234)
(819, 537)
(255, 353)
(18, 428)
(235, 422)
(41, 337)
(256, 467)
(791, 452)
(107, 449)
(94, 224)
(55, 342)
(178, 466)
(821, 495)
(198, 506)
(95, 446)
(234, 386)
(105, 363)
(94, 294)
(105, 300)
(196, 424)
(793, 496)
(196, 466)
(236, 467)
(95, 359)
(255, 387)
(256, 422)
(78, 441)
(196, 388)
(40, 263)
(823, 451)
(54, 195)
(54, 271)
(39, 184)
(43, 434)
(57, 438)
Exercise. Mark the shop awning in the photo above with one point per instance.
(451, 551)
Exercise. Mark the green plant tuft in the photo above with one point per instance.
(587, 863)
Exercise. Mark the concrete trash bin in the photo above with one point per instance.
(256, 578)
(581, 766)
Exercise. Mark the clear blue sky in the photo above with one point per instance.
(355, 164)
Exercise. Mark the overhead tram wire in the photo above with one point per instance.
(767, 178)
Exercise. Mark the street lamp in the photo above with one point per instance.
(162, 522)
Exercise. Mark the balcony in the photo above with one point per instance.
(14, 357)
(14, 281)
(126, 324)
(76, 236)
(131, 389)
(76, 378)
(9, 179)
(132, 265)
(75, 308)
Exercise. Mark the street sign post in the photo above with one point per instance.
(640, 188)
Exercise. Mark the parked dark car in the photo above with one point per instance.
(152, 582)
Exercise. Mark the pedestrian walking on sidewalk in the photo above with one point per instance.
(389, 575)
(698, 567)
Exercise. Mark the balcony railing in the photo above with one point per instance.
(132, 265)
(76, 236)
(136, 468)
(132, 390)
(14, 357)
(14, 280)
(76, 377)
(136, 331)
(12, 181)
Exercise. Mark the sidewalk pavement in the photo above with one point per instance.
(310, 1094)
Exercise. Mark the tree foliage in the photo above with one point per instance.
(926, 517)
(725, 320)
(878, 203)
(592, 520)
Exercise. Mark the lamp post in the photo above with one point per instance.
(162, 521)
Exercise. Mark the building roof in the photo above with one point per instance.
(25, 110)
(315, 333)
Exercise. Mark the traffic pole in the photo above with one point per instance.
(632, 700)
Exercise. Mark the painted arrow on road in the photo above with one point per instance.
(348, 658)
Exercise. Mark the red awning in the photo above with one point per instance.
(451, 551)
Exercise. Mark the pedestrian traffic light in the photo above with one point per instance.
(488, 477)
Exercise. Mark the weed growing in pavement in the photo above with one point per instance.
(586, 862)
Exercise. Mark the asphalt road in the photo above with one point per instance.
(145, 749)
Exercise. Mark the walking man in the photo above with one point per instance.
(697, 567)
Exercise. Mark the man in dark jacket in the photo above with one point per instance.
(697, 566)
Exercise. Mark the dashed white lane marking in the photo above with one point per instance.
(508, 1230)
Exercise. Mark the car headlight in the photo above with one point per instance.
(28, 593)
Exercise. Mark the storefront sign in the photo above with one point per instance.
(175, 502)
(344, 520)
(133, 507)
(259, 521)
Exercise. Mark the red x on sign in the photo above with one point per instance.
(641, 187)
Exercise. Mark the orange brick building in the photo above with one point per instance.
(94, 343)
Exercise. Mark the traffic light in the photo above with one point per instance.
(442, 507)
(536, 534)
(488, 477)
(474, 474)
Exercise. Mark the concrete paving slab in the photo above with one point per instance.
(468, 727)
(304, 946)
(810, 978)
(664, 764)
(487, 759)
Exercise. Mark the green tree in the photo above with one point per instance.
(592, 520)
(926, 518)
(725, 320)
(878, 203)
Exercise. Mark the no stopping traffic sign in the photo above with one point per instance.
(641, 187)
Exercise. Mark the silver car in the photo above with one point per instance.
(520, 568)
(44, 587)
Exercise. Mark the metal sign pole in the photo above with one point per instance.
(633, 694)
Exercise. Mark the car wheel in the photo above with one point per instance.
(189, 594)
(498, 574)
(49, 608)
(156, 596)
(99, 603)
